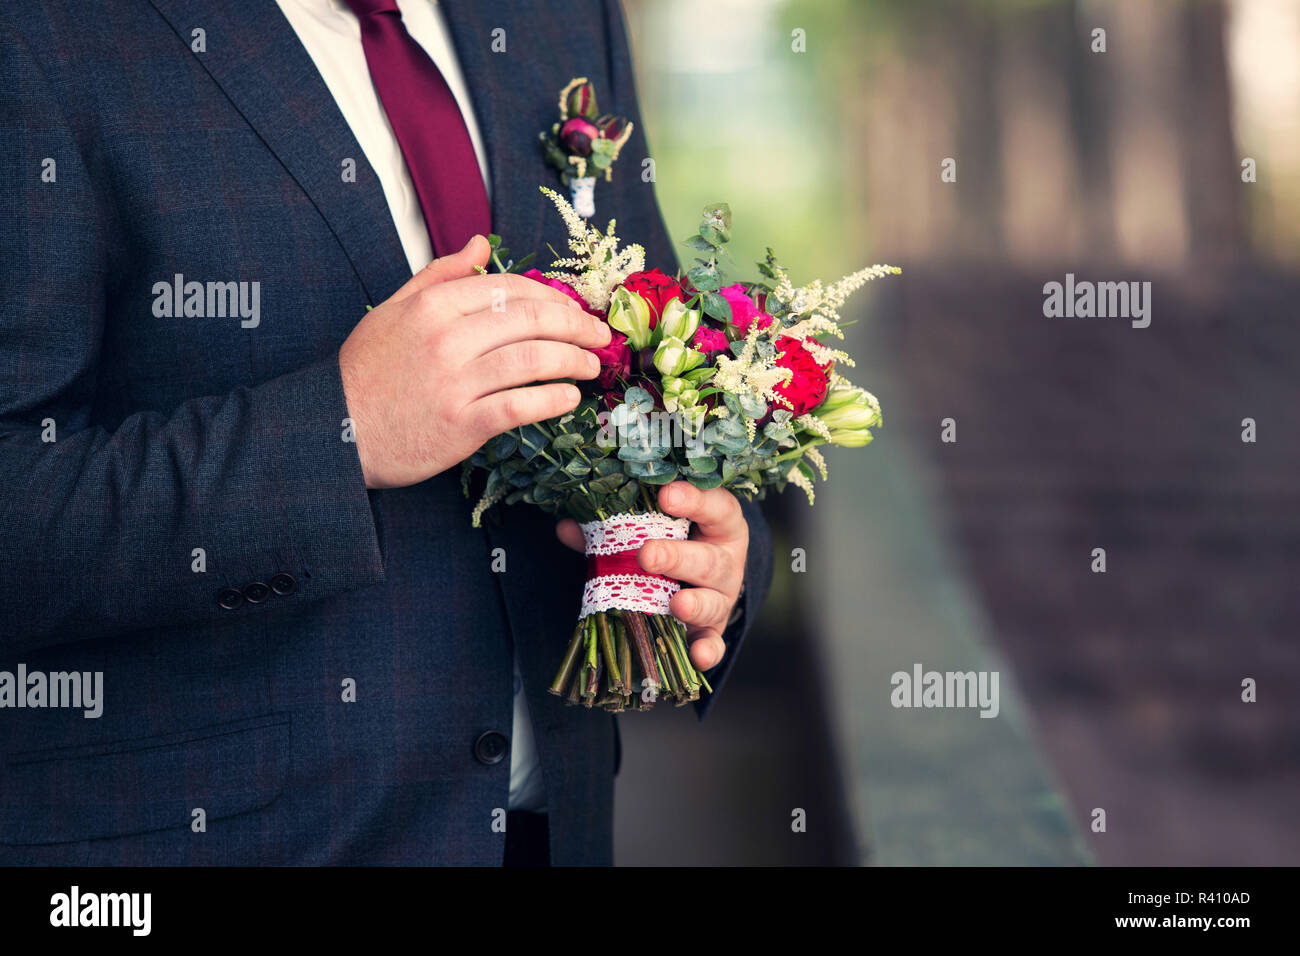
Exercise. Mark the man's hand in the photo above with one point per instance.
(452, 359)
(713, 560)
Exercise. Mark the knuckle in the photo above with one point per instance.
(529, 312)
(513, 408)
(710, 563)
(525, 356)
(667, 557)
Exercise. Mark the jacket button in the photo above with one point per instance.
(283, 583)
(256, 592)
(491, 747)
(229, 598)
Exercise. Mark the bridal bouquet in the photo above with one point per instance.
(719, 385)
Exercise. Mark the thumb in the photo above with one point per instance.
(458, 265)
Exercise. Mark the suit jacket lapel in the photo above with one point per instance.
(514, 157)
(254, 55)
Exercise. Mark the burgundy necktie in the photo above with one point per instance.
(429, 128)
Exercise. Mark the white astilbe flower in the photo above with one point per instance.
(819, 462)
(825, 355)
(484, 503)
(812, 423)
(597, 265)
(816, 300)
(746, 374)
(800, 480)
(814, 325)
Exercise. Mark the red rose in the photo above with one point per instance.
(807, 388)
(615, 360)
(656, 288)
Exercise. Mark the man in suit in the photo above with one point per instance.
(232, 490)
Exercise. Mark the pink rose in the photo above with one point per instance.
(709, 340)
(743, 309)
(564, 287)
(615, 360)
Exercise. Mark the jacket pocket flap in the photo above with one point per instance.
(138, 786)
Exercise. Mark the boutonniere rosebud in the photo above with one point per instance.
(678, 321)
(583, 145)
(579, 99)
(577, 134)
(630, 314)
(675, 358)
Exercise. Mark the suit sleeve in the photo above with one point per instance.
(107, 531)
(639, 210)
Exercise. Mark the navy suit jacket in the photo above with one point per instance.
(184, 433)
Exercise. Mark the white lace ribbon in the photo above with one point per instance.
(629, 591)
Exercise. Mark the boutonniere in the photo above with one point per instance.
(583, 144)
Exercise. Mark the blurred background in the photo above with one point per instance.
(824, 123)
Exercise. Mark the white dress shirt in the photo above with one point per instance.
(331, 35)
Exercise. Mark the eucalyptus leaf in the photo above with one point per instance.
(567, 441)
(705, 278)
(705, 482)
(751, 405)
(652, 472)
(716, 306)
(532, 442)
(639, 399)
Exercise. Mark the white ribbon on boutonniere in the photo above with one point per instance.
(584, 143)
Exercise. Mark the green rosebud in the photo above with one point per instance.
(850, 413)
(630, 314)
(674, 357)
(678, 321)
(678, 395)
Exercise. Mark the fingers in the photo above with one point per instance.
(522, 363)
(716, 512)
(569, 532)
(485, 293)
(529, 319)
(702, 563)
(458, 265)
(501, 411)
(697, 608)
